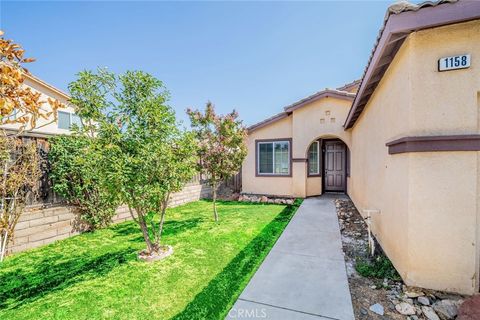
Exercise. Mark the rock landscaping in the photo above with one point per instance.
(377, 290)
(264, 199)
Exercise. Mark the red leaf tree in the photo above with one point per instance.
(222, 145)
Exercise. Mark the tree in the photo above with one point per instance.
(77, 177)
(222, 146)
(74, 159)
(19, 160)
(144, 155)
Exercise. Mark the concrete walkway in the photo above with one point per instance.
(303, 277)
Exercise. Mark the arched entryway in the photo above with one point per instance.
(327, 166)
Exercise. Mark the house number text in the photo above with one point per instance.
(455, 62)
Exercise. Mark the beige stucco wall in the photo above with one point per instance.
(51, 128)
(428, 202)
(278, 186)
(304, 126)
(323, 118)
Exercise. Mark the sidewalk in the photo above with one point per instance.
(303, 276)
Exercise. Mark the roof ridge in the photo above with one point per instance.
(349, 85)
(325, 91)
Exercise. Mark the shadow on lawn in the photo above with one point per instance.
(171, 227)
(20, 286)
(54, 272)
(215, 300)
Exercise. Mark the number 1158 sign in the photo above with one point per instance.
(455, 62)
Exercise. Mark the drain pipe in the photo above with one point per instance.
(367, 213)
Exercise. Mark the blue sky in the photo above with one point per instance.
(256, 57)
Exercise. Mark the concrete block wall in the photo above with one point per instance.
(39, 226)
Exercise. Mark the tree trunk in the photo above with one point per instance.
(143, 225)
(162, 220)
(215, 214)
(3, 244)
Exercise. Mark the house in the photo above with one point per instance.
(403, 142)
(66, 116)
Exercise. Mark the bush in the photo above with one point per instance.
(76, 177)
(379, 267)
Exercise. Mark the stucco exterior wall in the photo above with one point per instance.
(444, 187)
(428, 201)
(303, 126)
(379, 181)
(320, 119)
(276, 186)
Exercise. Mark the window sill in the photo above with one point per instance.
(314, 175)
(262, 175)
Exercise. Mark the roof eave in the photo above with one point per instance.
(397, 28)
(39, 81)
(268, 121)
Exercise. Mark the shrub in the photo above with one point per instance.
(77, 178)
(379, 267)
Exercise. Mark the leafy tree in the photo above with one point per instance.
(74, 159)
(19, 160)
(144, 155)
(222, 146)
(89, 94)
(77, 177)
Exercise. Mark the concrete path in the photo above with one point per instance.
(303, 277)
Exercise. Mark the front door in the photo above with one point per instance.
(334, 166)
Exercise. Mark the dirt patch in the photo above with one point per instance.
(164, 252)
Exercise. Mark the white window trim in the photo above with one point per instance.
(318, 159)
(273, 158)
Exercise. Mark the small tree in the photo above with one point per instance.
(20, 173)
(222, 146)
(145, 156)
(19, 161)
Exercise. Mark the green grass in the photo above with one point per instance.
(97, 275)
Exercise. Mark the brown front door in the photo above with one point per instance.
(335, 162)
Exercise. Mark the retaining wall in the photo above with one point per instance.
(43, 225)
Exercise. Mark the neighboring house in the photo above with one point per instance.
(405, 147)
(47, 127)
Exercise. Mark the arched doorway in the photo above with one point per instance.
(327, 166)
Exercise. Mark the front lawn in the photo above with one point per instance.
(97, 275)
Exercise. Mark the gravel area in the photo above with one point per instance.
(371, 296)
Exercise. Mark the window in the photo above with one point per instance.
(273, 158)
(66, 120)
(63, 120)
(313, 159)
(76, 120)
